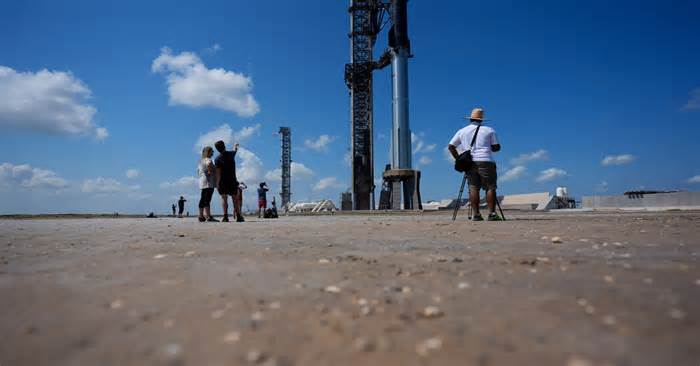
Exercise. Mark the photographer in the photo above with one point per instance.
(483, 172)
(262, 198)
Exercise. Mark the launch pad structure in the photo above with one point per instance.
(367, 19)
(286, 160)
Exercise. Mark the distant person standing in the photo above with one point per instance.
(483, 171)
(207, 183)
(173, 210)
(262, 199)
(226, 181)
(181, 206)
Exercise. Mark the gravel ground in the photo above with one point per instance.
(547, 289)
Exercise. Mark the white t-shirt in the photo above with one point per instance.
(482, 146)
(206, 180)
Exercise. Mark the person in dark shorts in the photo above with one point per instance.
(173, 209)
(181, 206)
(483, 172)
(262, 198)
(226, 181)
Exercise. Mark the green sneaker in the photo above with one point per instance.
(477, 218)
(494, 217)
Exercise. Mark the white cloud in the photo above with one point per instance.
(617, 159)
(424, 160)
(192, 84)
(26, 176)
(320, 144)
(695, 179)
(348, 159)
(420, 146)
(602, 186)
(226, 134)
(182, 183)
(523, 159)
(299, 172)
(550, 174)
(107, 185)
(53, 102)
(249, 167)
(512, 173)
(694, 101)
(132, 173)
(327, 183)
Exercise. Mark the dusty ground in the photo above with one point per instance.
(620, 289)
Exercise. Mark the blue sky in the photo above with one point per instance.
(601, 99)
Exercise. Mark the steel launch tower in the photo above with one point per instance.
(286, 195)
(367, 18)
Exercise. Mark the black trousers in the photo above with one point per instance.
(205, 198)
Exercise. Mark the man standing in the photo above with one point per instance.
(262, 199)
(181, 206)
(226, 181)
(483, 171)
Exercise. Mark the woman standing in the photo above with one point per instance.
(207, 182)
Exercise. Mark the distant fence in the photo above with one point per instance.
(673, 200)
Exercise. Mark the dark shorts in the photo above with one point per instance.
(262, 203)
(228, 188)
(205, 197)
(483, 175)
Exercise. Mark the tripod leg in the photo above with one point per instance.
(459, 198)
(498, 203)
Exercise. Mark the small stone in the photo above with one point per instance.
(648, 281)
(217, 314)
(332, 289)
(609, 320)
(544, 238)
(609, 279)
(584, 240)
(159, 256)
(275, 305)
(323, 261)
(677, 314)
(366, 310)
(697, 282)
(363, 344)
(533, 270)
(578, 361)
(116, 304)
(168, 323)
(590, 310)
(426, 346)
(431, 312)
(463, 285)
(255, 356)
(190, 253)
(406, 290)
(232, 337)
(362, 302)
(582, 302)
(556, 240)
(173, 350)
(256, 316)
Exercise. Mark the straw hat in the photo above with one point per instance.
(477, 114)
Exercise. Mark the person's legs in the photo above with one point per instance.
(474, 189)
(237, 207)
(224, 206)
(202, 203)
(474, 201)
(491, 200)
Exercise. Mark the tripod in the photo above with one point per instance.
(459, 202)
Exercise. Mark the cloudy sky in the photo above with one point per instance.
(104, 106)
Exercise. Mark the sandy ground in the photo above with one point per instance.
(620, 289)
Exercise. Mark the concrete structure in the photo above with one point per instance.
(312, 207)
(656, 201)
(286, 160)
